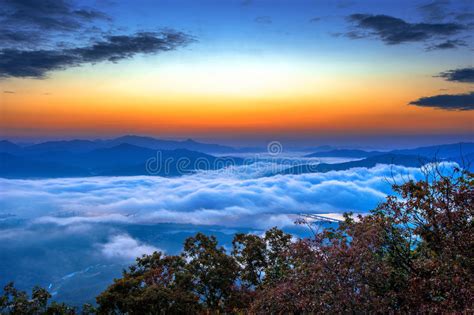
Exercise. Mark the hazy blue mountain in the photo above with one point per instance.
(321, 148)
(466, 161)
(440, 151)
(57, 156)
(9, 147)
(120, 160)
(126, 159)
(158, 144)
(345, 153)
(122, 154)
(81, 146)
(443, 151)
(116, 157)
(404, 160)
(75, 146)
(12, 166)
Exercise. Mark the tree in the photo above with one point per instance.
(339, 271)
(156, 284)
(17, 302)
(434, 219)
(250, 252)
(212, 271)
(277, 254)
(411, 254)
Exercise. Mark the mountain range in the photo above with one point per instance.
(135, 155)
(77, 146)
(442, 151)
(390, 158)
(120, 160)
(461, 153)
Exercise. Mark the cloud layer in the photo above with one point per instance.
(125, 247)
(394, 31)
(79, 233)
(447, 101)
(36, 63)
(37, 37)
(28, 23)
(238, 199)
(465, 75)
(448, 44)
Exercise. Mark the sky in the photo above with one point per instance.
(237, 69)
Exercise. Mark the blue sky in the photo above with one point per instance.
(221, 70)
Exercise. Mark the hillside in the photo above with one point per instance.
(404, 160)
(120, 160)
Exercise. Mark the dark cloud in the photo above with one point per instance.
(10, 36)
(460, 102)
(115, 48)
(8, 92)
(18, 63)
(37, 37)
(37, 63)
(33, 23)
(46, 14)
(263, 20)
(315, 20)
(394, 31)
(448, 44)
(465, 75)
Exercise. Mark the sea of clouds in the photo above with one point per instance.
(242, 197)
(57, 232)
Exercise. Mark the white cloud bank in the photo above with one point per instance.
(125, 247)
(238, 198)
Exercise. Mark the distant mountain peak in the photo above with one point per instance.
(161, 144)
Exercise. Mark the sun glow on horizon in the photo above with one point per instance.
(284, 74)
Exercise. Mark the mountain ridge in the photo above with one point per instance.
(391, 159)
(123, 159)
(440, 151)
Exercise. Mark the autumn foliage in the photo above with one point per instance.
(414, 253)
